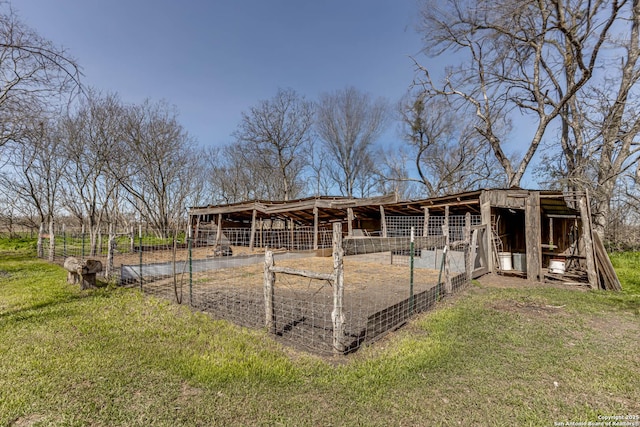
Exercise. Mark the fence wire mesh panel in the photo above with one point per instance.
(401, 225)
(386, 279)
(294, 239)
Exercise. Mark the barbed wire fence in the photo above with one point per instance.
(348, 293)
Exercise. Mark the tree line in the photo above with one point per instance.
(568, 70)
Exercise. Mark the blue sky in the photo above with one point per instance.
(215, 59)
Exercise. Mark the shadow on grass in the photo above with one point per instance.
(41, 311)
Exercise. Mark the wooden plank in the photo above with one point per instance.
(608, 273)
(367, 245)
(303, 273)
(587, 237)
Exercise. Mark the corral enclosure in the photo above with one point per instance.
(331, 274)
(380, 291)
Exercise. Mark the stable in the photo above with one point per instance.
(536, 234)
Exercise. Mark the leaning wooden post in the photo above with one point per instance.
(269, 282)
(337, 316)
(588, 242)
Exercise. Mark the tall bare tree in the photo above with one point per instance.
(33, 72)
(157, 164)
(448, 154)
(93, 135)
(35, 173)
(275, 137)
(348, 123)
(539, 59)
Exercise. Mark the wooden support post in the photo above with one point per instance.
(197, 228)
(485, 215)
(350, 221)
(533, 236)
(587, 238)
(261, 231)
(383, 222)
(219, 230)
(291, 234)
(315, 228)
(425, 226)
(445, 231)
(269, 283)
(252, 237)
(132, 240)
(337, 315)
(467, 227)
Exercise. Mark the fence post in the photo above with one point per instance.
(140, 250)
(411, 254)
(110, 250)
(52, 241)
(269, 282)
(190, 252)
(64, 241)
(445, 230)
(337, 315)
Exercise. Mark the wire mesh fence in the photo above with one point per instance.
(386, 280)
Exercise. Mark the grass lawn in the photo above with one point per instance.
(489, 356)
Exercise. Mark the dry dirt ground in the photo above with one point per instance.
(302, 306)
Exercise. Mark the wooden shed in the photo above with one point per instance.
(537, 230)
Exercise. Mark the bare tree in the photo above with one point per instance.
(33, 72)
(93, 134)
(36, 170)
(275, 138)
(542, 60)
(319, 179)
(157, 164)
(348, 124)
(448, 154)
